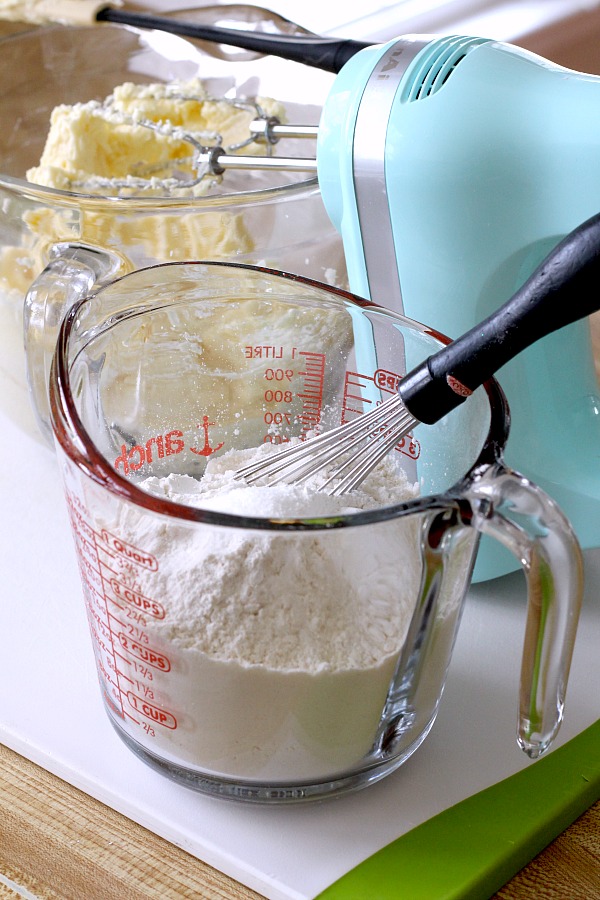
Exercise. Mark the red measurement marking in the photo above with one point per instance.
(117, 650)
(106, 672)
(137, 599)
(279, 374)
(409, 447)
(88, 546)
(311, 394)
(145, 689)
(91, 577)
(144, 671)
(144, 653)
(263, 351)
(77, 518)
(160, 716)
(124, 659)
(354, 403)
(103, 626)
(387, 381)
(129, 552)
(116, 707)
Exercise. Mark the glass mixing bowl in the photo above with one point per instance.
(275, 219)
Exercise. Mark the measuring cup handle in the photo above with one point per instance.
(73, 270)
(529, 523)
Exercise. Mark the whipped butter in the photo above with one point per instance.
(43, 12)
(106, 139)
(147, 131)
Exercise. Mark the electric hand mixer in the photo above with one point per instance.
(471, 160)
(451, 166)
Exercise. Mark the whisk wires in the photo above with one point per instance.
(345, 454)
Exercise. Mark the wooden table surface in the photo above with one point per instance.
(57, 842)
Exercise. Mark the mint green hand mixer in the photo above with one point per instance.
(470, 160)
(451, 166)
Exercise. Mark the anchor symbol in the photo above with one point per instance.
(207, 449)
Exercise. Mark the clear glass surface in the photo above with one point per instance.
(208, 672)
(274, 219)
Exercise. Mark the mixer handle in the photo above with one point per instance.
(327, 54)
(563, 289)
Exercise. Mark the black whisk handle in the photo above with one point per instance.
(328, 54)
(563, 289)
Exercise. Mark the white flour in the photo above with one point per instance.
(281, 646)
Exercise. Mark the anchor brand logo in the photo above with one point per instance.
(206, 449)
(132, 459)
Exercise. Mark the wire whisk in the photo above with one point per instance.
(563, 289)
(355, 447)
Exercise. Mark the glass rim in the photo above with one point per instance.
(75, 442)
(61, 197)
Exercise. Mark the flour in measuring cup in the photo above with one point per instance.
(282, 646)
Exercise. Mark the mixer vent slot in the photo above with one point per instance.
(438, 65)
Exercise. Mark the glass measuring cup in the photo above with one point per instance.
(276, 656)
(55, 243)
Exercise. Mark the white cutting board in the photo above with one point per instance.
(51, 712)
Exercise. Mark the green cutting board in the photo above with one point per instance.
(471, 850)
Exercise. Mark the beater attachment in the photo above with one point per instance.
(161, 139)
(185, 170)
(266, 130)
